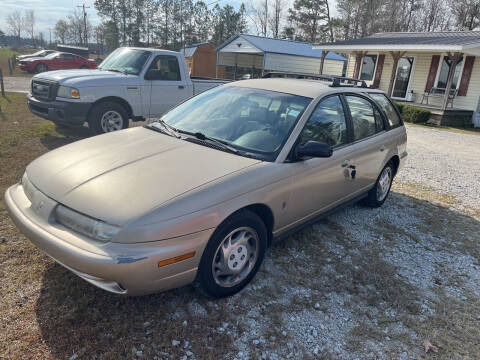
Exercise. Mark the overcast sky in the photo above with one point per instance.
(48, 12)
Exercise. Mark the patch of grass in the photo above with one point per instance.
(7, 53)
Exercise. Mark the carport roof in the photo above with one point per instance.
(280, 46)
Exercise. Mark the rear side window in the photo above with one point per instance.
(365, 118)
(386, 105)
(327, 123)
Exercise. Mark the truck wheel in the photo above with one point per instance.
(41, 68)
(233, 255)
(107, 117)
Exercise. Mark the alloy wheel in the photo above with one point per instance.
(384, 183)
(111, 121)
(235, 257)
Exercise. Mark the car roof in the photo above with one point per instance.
(301, 87)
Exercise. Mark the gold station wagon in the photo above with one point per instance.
(199, 194)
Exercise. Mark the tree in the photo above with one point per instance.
(311, 17)
(29, 21)
(60, 30)
(467, 13)
(259, 16)
(15, 24)
(275, 18)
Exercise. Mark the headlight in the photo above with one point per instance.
(28, 187)
(85, 225)
(68, 92)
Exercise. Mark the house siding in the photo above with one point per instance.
(419, 79)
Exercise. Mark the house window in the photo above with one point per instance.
(445, 68)
(368, 67)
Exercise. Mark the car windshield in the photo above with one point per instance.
(130, 61)
(51, 56)
(39, 53)
(250, 120)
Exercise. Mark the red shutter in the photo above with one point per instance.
(378, 73)
(467, 73)
(432, 74)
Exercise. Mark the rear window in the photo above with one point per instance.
(392, 115)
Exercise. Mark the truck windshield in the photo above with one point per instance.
(250, 120)
(129, 61)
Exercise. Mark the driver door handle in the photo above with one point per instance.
(181, 87)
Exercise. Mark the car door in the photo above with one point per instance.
(368, 147)
(322, 183)
(170, 89)
(66, 61)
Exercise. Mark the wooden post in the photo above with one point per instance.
(10, 70)
(322, 60)
(358, 63)
(1, 83)
(14, 61)
(396, 55)
(453, 58)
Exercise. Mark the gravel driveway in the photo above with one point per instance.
(362, 284)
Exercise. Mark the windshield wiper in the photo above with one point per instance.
(115, 70)
(168, 129)
(203, 137)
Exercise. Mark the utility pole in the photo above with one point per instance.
(84, 22)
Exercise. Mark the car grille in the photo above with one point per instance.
(45, 90)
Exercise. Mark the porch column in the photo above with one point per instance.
(358, 62)
(322, 60)
(453, 58)
(396, 55)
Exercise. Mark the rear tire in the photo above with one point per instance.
(379, 193)
(233, 255)
(41, 68)
(106, 117)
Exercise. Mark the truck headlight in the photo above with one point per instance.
(93, 228)
(68, 92)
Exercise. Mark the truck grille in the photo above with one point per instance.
(45, 90)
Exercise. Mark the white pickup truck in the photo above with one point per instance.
(131, 83)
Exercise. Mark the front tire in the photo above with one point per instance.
(233, 255)
(379, 193)
(107, 117)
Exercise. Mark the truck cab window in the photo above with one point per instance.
(167, 66)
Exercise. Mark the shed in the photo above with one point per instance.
(253, 55)
(78, 50)
(201, 59)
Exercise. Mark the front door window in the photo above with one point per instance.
(402, 78)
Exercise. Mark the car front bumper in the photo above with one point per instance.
(60, 112)
(128, 269)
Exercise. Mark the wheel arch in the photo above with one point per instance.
(263, 212)
(116, 99)
(395, 160)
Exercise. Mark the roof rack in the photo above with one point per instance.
(337, 81)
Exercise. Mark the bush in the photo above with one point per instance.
(413, 114)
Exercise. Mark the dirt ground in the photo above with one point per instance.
(361, 284)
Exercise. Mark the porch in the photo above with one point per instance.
(442, 69)
(455, 116)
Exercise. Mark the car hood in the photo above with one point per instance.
(120, 176)
(84, 77)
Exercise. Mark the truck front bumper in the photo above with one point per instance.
(60, 112)
(127, 269)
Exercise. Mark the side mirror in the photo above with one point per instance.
(153, 74)
(313, 149)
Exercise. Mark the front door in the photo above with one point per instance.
(402, 77)
(321, 183)
(171, 89)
